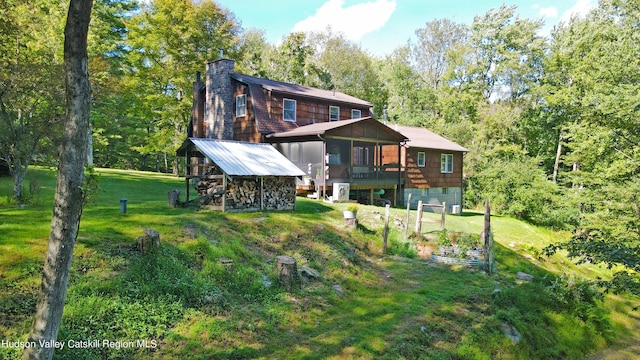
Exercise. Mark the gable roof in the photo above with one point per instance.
(319, 129)
(300, 90)
(423, 138)
(237, 158)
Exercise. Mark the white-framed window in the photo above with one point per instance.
(334, 113)
(289, 110)
(446, 163)
(421, 159)
(356, 113)
(445, 191)
(241, 105)
(360, 155)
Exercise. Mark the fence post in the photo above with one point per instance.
(488, 239)
(444, 207)
(419, 221)
(386, 227)
(406, 224)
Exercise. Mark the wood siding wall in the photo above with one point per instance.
(309, 111)
(244, 127)
(430, 175)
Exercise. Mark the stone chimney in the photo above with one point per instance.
(219, 103)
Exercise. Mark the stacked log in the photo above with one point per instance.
(244, 193)
(279, 193)
(207, 186)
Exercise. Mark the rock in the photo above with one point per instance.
(265, 281)
(308, 272)
(190, 231)
(338, 289)
(227, 263)
(511, 332)
(524, 276)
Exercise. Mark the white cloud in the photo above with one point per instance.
(353, 21)
(579, 9)
(550, 12)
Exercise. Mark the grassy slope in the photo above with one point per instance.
(187, 301)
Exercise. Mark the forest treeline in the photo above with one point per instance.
(551, 121)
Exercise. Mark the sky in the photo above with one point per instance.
(380, 26)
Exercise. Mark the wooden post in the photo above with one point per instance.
(287, 271)
(386, 228)
(173, 198)
(419, 221)
(261, 193)
(187, 189)
(444, 210)
(406, 224)
(225, 185)
(488, 239)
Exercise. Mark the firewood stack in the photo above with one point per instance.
(206, 186)
(279, 193)
(244, 193)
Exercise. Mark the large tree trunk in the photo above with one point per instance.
(18, 179)
(556, 163)
(68, 202)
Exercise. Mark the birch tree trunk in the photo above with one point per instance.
(67, 206)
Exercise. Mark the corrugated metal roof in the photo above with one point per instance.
(300, 90)
(423, 138)
(246, 159)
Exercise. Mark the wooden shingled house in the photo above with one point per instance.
(331, 136)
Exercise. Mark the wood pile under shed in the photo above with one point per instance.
(240, 176)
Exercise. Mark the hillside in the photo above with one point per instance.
(187, 302)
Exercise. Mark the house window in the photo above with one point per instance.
(445, 191)
(241, 105)
(446, 163)
(334, 113)
(421, 159)
(356, 114)
(360, 156)
(289, 113)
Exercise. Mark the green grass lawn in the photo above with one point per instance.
(188, 304)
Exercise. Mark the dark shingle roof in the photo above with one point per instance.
(324, 127)
(423, 138)
(265, 124)
(300, 90)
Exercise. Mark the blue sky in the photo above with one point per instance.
(380, 26)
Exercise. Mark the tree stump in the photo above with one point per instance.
(149, 242)
(174, 198)
(287, 272)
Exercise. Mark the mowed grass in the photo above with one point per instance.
(187, 304)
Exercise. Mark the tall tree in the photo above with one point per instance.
(68, 200)
(433, 54)
(592, 86)
(31, 105)
(506, 54)
(170, 41)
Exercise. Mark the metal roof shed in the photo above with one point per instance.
(240, 176)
